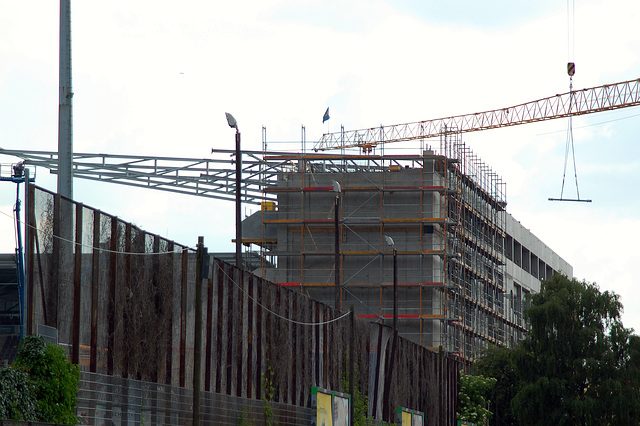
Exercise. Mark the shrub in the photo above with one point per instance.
(54, 378)
(18, 400)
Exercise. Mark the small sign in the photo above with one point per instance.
(49, 334)
(408, 417)
(332, 408)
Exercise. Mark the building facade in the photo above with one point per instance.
(464, 265)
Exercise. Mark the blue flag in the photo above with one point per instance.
(325, 117)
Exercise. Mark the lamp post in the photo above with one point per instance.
(391, 243)
(336, 207)
(387, 387)
(234, 125)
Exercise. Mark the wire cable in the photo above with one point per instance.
(571, 28)
(179, 251)
(589, 125)
(571, 69)
(103, 250)
(278, 315)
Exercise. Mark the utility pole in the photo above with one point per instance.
(65, 126)
(392, 360)
(352, 378)
(233, 123)
(337, 190)
(202, 273)
(239, 260)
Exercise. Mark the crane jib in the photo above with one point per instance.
(578, 102)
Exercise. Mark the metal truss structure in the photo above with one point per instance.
(211, 178)
(215, 177)
(577, 102)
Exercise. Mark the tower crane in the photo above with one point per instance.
(575, 102)
(214, 178)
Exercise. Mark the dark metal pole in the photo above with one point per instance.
(238, 203)
(387, 413)
(440, 386)
(395, 291)
(20, 259)
(65, 132)
(27, 280)
(352, 378)
(198, 333)
(337, 253)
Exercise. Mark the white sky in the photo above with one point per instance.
(155, 78)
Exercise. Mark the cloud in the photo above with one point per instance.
(151, 78)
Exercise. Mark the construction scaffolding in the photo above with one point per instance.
(444, 209)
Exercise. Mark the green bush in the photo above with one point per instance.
(472, 397)
(17, 391)
(53, 377)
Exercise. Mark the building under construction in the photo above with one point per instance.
(463, 264)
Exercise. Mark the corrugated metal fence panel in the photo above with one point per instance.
(123, 302)
(106, 399)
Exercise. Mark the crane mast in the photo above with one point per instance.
(578, 102)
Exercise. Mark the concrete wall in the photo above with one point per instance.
(535, 246)
(426, 206)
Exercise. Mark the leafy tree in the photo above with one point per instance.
(577, 364)
(54, 378)
(472, 398)
(574, 357)
(498, 362)
(17, 395)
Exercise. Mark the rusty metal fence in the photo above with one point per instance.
(104, 400)
(123, 304)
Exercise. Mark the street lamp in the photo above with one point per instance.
(337, 190)
(387, 387)
(391, 243)
(234, 125)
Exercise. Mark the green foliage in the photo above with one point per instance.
(17, 393)
(268, 391)
(472, 398)
(577, 365)
(360, 402)
(571, 358)
(54, 378)
(498, 362)
(242, 419)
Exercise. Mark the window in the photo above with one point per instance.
(534, 265)
(542, 270)
(517, 303)
(550, 272)
(525, 259)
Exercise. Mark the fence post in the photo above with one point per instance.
(352, 343)
(201, 265)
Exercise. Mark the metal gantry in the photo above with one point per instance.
(203, 177)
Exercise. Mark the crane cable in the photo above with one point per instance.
(569, 145)
(571, 69)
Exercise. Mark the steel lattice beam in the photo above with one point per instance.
(577, 102)
(211, 178)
